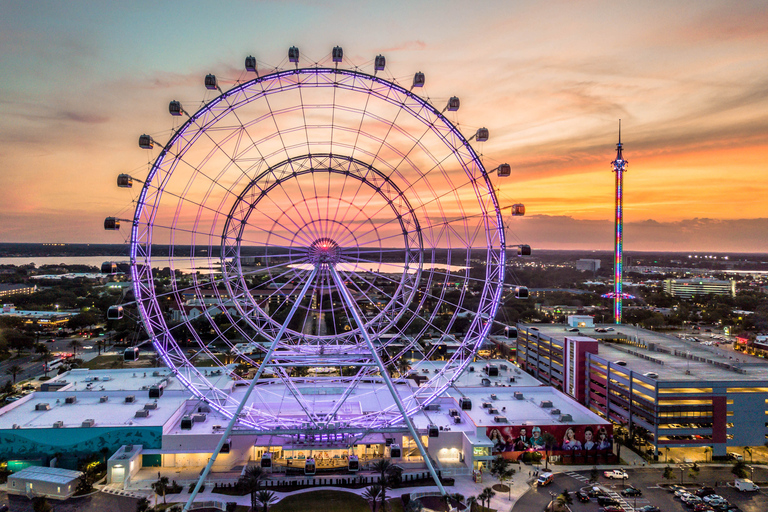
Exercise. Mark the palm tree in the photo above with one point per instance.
(382, 467)
(707, 451)
(75, 344)
(403, 366)
(161, 486)
(265, 498)
(471, 502)
(251, 482)
(14, 371)
(549, 441)
(746, 449)
(565, 498)
(486, 496)
(372, 494)
(142, 505)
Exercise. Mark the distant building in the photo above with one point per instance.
(687, 288)
(588, 264)
(7, 290)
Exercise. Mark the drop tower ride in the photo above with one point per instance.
(619, 167)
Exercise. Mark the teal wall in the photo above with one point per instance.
(151, 460)
(31, 443)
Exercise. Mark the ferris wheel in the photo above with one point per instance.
(327, 228)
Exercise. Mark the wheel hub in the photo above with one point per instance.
(324, 253)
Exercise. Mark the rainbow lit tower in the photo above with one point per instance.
(619, 167)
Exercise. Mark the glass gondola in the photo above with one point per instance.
(266, 461)
(131, 354)
(395, 452)
(309, 467)
(354, 464)
(115, 313)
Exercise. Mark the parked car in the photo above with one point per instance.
(605, 501)
(736, 456)
(648, 508)
(713, 497)
(675, 488)
(616, 473)
(612, 508)
(702, 507)
(704, 491)
(631, 491)
(595, 491)
(582, 496)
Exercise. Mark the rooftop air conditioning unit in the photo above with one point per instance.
(486, 405)
(203, 408)
(70, 400)
(88, 423)
(142, 413)
(457, 419)
(150, 406)
(453, 412)
(519, 395)
(500, 419)
(546, 404)
(58, 424)
(493, 410)
(512, 379)
(486, 382)
(555, 411)
(103, 399)
(156, 373)
(433, 407)
(43, 407)
(494, 397)
(198, 417)
(566, 417)
(130, 399)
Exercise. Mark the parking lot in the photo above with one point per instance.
(648, 480)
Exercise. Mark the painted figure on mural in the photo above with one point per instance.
(569, 440)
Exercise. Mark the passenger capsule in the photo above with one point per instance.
(175, 109)
(395, 452)
(524, 250)
(518, 210)
(111, 224)
(146, 142)
(504, 170)
(309, 467)
(481, 135)
(250, 63)
(419, 79)
(115, 313)
(353, 465)
(124, 181)
(210, 82)
(453, 104)
(379, 63)
(337, 54)
(293, 54)
(521, 292)
(131, 354)
(433, 431)
(109, 267)
(266, 461)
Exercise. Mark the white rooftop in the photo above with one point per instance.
(46, 474)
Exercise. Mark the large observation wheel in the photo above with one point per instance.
(320, 225)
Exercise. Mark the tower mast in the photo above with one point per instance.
(619, 167)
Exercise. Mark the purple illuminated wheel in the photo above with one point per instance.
(307, 216)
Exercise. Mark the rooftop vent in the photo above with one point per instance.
(433, 407)
(453, 412)
(500, 419)
(519, 395)
(486, 382)
(130, 399)
(150, 406)
(103, 399)
(58, 424)
(512, 379)
(457, 419)
(546, 404)
(16, 427)
(43, 407)
(88, 423)
(155, 373)
(555, 411)
(70, 400)
(494, 397)
(566, 417)
(142, 413)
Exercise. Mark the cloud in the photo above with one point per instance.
(406, 46)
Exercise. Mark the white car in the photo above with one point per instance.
(616, 473)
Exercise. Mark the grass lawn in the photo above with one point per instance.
(322, 501)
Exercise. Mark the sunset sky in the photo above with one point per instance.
(689, 79)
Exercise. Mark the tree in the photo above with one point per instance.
(83, 320)
(707, 451)
(14, 371)
(161, 485)
(471, 502)
(669, 473)
(403, 366)
(372, 494)
(250, 481)
(500, 468)
(142, 505)
(549, 441)
(382, 467)
(565, 498)
(19, 340)
(740, 469)
(75, 344)
(40, 504)
(265, 499)
(746, 449)
(486, 496)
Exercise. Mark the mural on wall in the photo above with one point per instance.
(513, 441)
(36, 443)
